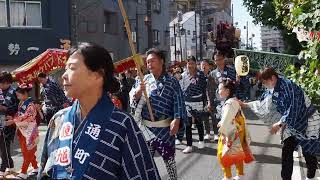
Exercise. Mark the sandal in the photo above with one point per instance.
(21, 176)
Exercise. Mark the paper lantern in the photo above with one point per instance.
(242, 65)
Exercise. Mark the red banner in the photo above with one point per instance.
(125, 64)
(46, 62)
(53, 59)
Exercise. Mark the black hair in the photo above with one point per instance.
(24, 88)
(37, 101)
(207, 61)
(160, 54)
(6, 77)
(192, 58)
(231, 86)
(219, 53)
(42, 75)
(98, 59)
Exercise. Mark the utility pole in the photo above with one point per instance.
(247, 36)
(74, 29)
(185, 43)
(149, 25)
(195, 26)
(232, 12)
(201, 39)
(180, 42)
(137, 30)
(175, 42)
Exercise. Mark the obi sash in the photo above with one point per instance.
(76, 147)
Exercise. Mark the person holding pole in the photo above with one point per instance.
(168, 107)
(93, 139)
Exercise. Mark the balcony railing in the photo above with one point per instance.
(261, 59)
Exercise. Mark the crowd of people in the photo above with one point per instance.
(107, 126)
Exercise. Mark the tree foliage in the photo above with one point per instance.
(264, 13)
(287, 15)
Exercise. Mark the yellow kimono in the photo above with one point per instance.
(233, 144)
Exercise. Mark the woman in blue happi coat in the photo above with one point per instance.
(93, 139)
(289, 110)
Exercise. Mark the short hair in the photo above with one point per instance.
(206, 60)
(219, 53)
(192, 58)
(6, 77)
(159, 53)
(267, 74)
(42, 75)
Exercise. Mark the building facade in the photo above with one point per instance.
(183, 36)
(101, 22)
(28, 28)
(271, 39)
(213, 12)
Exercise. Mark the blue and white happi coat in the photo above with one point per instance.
(108, 144)
(289, 104)
(194, 91)
(216, 77)
(167, 102)
(9, 99)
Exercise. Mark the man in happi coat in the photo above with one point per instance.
(168, 109)
(53, 96)
(194, 84)
(8, 107)
(218, 75)
(286, 107)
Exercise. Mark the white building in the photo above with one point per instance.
(271, 39)
(213, 12)
(183, 36)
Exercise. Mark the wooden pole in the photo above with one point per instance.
(137, 58)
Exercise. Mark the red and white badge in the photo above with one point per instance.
(66, 131)
(62, 156)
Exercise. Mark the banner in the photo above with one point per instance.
(46, 62)
(128, 63)
(53, 59)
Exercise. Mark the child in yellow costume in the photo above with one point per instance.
(233, 144)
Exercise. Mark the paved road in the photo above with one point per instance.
(202, 163)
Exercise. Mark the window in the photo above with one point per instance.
(25, 13)
(111, 23)
(3, 13)
(156, 6)
(156, 37)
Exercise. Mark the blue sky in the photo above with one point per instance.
(241, 16)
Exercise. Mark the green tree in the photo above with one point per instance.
(264, 13)
(287, 15)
